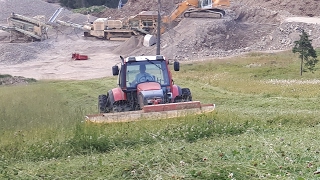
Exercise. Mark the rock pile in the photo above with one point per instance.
(32, 8)
(255, 25)
(14, 53)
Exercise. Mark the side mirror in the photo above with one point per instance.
(115, 70)
(176, 66)
(122, 59)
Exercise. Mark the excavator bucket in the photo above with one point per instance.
(153, 112)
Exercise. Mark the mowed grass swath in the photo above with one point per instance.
(266, 125)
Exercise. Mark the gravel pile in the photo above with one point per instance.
(253, 25)
(14, 53)
(134, 7)
(246, 28)
(31, 8)
(283, 37)
(229, 38)
(28, 8)
(294, 7)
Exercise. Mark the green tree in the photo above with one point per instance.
(87, 3)
(113, 3)
(307, 55)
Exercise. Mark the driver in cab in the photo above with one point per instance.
(143, 76)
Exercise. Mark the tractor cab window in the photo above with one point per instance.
(146, 71)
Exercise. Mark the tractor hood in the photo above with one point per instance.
(148, 86)
(150, 93)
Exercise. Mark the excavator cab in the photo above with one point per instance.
(205, 3)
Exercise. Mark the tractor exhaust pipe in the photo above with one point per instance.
(158, 28)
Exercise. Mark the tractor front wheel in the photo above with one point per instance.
(102, 103)
(186, 94)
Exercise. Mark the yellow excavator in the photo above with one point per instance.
(189, 9)
(198, 8)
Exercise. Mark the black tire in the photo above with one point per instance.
(140, 101)
(186, 14)
(186, 94)
(116, 107)
(102, 103)
(119, 106)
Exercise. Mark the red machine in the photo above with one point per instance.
(77, 56)
(145, 90)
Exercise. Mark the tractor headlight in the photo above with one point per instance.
(152, 97)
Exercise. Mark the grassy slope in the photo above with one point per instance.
(266, 126)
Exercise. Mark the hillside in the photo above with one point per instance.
(254, 25)
(295, 7)
(265, 126)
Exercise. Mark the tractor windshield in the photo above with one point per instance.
(146, 71)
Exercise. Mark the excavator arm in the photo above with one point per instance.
(208, 6)
(182, 7)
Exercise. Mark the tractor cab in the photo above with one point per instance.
(143, 69)
(146, 89)
(142, 81)
(145, 83)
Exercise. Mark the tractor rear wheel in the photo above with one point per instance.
(102, 103)
(119, 106)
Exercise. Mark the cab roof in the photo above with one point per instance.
(144, 58)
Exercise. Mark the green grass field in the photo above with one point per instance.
(266, 126)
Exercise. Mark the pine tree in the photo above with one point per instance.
(307, 55)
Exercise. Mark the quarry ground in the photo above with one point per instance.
(252, 26)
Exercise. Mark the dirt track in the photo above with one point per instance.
(246, 28)
(56, 62)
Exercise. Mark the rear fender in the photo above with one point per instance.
(118, 94)
(176, 91)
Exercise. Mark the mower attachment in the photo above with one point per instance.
(153, 112)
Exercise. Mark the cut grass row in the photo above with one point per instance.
(271, 154)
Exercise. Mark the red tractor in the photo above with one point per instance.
(143, 81)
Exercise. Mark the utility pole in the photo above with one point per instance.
(158, 28)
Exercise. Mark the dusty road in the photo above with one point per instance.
(56, 62)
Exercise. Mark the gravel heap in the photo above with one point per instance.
(31, 8)
(229, 38)
(28, 8)
(295, 7)
(252, 25)
(14, 53)
(134, 7)
(256, 25)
